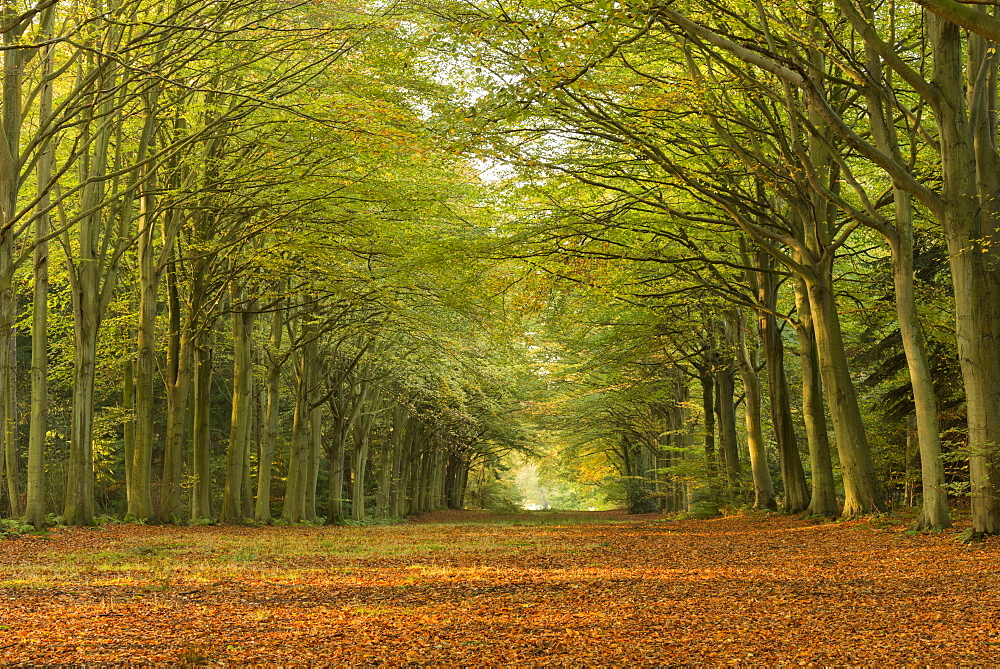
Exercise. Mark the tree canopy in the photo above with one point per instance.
(323, 262)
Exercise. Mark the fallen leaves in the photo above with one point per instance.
(635, 591)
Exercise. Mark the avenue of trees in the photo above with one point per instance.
(734, 186)
(729, 252)
(227, 278)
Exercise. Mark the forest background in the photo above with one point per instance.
(321, 261)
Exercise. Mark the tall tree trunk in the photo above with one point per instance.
(335, 496)
(128, 425)
(762, 485)
(262, 509)
(10, 182)
(314, 428)
(344, 414)
(315, 453)
(178, 381)
(79, 505)
(934, 509)
(139, 484)
(201, 433)
(38, 427)
(862, 493)
(970, 221)
(387, 459)
(401, 468)
(293, 508)
(417, 480)
(241, 417)
(359, 458)
(725, 389)
(706, 377)
(824, 495)
(934, 512)
(793, 477)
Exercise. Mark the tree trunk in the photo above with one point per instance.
(934, 512)
(262, 509)
(824, 495)
(312, 465)
(707, 378)
(293, 508)
(8, 425)
(38, 428)
(793, 477)
(725, 386)
(79, 504)
(342, 413)
(139, 484)
(201, 441)
(417, 482)
(401, 469)
(335, 496)
(241, 417)
(178, 381)
(13, 70)
(128, 425)
(359, 461)
(969, 191)
(762, 484)
(862, 494)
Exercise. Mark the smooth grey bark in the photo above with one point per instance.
(315, 452)
(139, 491)
(706, 378)
(128, 424)
(336, 452)
(400, 499)
(344, 410)
(335, 497)
(388, 458)
(10, 183)
(303, 461)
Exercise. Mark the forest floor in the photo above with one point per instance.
(533, 589)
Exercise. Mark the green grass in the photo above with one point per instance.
(150, 557)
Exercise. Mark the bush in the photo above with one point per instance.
(11, 527)
(501, 496)
(638, 496)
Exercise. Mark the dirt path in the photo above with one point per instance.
(539, 589)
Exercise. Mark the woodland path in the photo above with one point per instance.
(541, 588)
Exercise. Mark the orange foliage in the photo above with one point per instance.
(569, 591)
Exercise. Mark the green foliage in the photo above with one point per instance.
(12, 527)
(495, 492)
(638, 496)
